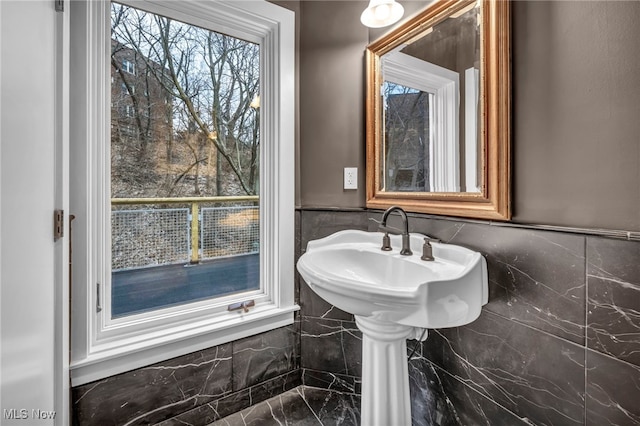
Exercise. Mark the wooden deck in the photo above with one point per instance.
(140, 290)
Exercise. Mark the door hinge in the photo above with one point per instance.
(58, 224)
(59, 5)
(98, 305)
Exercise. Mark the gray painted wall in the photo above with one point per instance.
(576, 107)
(576, 104)
(332, 127)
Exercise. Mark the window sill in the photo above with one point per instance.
(179, 341)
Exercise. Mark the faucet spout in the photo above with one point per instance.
(406, 246)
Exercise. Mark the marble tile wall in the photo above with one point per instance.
(195, 389)
(330, 342)
(303, 405)
(558, 343)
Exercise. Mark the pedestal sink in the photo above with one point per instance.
(393, 297)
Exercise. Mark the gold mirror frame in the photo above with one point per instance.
(494, 200)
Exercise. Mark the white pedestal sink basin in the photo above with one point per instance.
(393, 297)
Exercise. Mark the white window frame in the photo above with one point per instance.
(102, 346)
(444, 84)
(471, 144)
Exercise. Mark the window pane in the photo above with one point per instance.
(184, 124)
(406, 139)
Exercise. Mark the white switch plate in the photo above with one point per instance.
(350, 178)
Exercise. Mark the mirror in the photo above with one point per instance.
(438, 112)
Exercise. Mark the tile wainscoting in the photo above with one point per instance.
(558, 343)
(195, 389)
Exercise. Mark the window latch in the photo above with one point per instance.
(241, 305)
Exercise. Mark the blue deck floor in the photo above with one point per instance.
(140, 290)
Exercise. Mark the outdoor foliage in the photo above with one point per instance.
(183, 122)
(406, 139)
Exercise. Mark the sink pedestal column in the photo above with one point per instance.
(385, 374)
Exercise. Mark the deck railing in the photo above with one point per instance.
(162, 231)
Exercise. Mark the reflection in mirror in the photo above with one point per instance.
(439, 112)
(430, 109)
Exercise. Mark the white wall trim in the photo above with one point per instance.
(472, 96)
(1, 144)
(109, 363)
(61, 248)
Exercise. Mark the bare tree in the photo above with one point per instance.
(406, 138)
(210, 80)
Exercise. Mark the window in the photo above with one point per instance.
(431, 92)
(407, 137)
(148, 207)
(127, 111)
(128, 66)
(125, 90)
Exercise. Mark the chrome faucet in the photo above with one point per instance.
(386, 241)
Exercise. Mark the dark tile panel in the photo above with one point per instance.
(301, 407)
(223, 407)
(331, 346)
(287, 408)
(312, 305)
(275, 386)
(155, 393)
(332, 408)
(211, 411)
(319, 224)
(531, 373)
(613, 320)
(430, 404)
(265, 356)
(315, 225)
(439, 399)
(331, 381)
(535, 277)
(613, 391)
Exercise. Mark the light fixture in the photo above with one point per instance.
(381, 13)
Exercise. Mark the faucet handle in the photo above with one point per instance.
(427, 250)
(386, 242)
